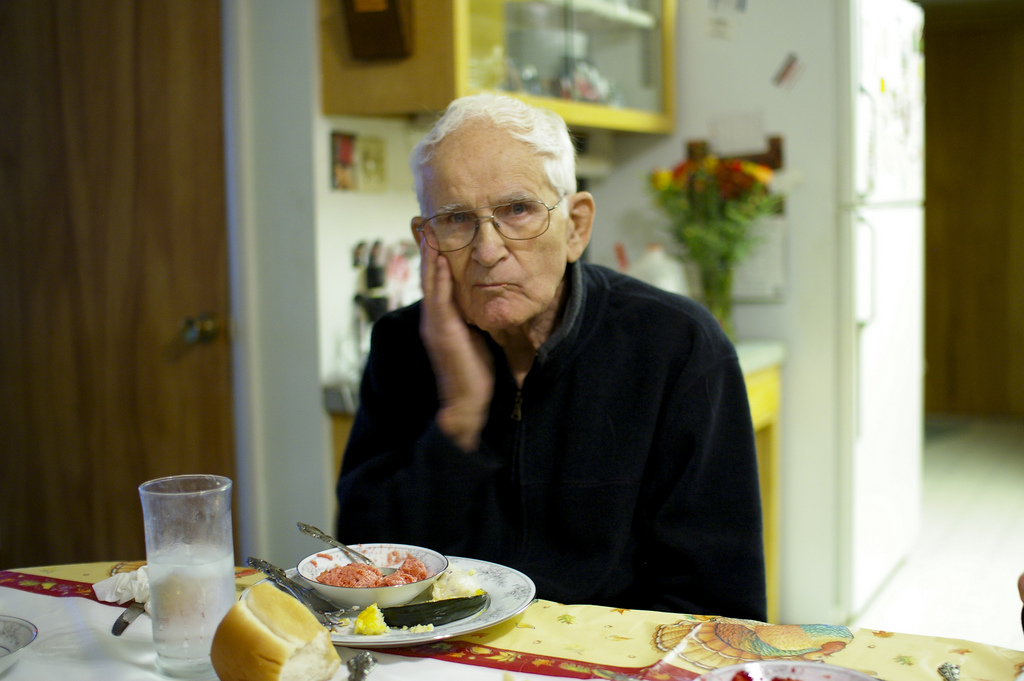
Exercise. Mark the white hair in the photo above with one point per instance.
(541, 129)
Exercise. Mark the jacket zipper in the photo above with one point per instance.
(516, 416)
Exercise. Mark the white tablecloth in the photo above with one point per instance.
(75, 643)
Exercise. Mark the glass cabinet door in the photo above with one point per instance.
(609, 54)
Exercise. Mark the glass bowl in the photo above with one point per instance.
(15, 635)
(382, 555)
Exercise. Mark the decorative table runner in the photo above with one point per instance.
(76, 580)
(586, 641)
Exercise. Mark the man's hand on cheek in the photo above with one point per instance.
(462, 365)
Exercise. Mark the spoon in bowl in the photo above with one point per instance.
(348, 551)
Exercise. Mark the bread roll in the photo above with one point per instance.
(270, 636)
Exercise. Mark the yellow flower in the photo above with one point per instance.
(762, 174)
(661, 179)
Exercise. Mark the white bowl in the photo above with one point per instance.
(15, 635)
(383, 555)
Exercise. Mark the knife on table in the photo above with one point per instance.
(311, 599)
(127, 617)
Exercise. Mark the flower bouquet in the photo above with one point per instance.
(711, 204)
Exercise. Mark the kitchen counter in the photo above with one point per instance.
(756, 355)
(340, 399)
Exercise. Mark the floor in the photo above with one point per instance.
(960, 580)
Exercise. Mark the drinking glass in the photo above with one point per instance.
(191, 561)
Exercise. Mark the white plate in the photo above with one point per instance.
(768, 670)
(509, 592)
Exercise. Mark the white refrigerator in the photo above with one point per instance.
(841, 82)
(882, 220)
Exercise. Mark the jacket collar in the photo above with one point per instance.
(572, 317)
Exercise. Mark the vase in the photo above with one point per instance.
(717, 284)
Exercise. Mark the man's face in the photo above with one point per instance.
(502, 285)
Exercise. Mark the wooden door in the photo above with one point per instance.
(112, 232)
(974, 209)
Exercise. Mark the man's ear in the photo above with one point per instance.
(417, 235)
(581, 222)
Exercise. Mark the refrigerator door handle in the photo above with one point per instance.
(870, 141)
(863, 300)
(864, 271)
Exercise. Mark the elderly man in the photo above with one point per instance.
(546, 414)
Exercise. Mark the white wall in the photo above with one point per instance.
(725, 77)
(346, 217)
(283, 464)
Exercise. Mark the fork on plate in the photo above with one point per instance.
(325, 612)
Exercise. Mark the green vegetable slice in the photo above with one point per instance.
(433, 612)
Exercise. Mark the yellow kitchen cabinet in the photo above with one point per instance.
(761, 362)
(341, 428)
(600, 64)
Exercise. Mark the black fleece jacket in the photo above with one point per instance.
(626, 476)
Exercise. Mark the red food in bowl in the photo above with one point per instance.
(415, 576)
(362, 575)
(353, 574)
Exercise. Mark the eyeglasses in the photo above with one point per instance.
(518, 221)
